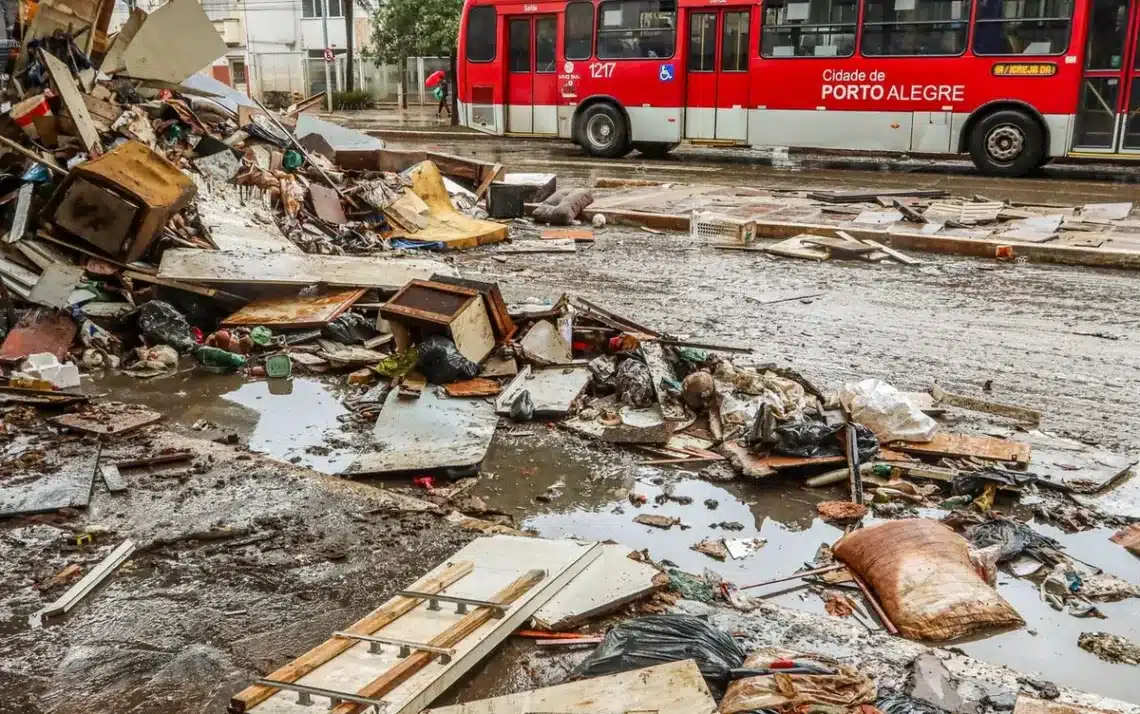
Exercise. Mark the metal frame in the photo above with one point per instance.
(498, 611)
(306, 693)
(406, 647)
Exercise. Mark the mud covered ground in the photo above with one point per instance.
(243, 564)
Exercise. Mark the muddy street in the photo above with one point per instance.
(325, 394)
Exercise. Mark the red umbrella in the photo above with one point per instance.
(434, 78)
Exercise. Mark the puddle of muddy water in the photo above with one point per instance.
(591, 502)
(593, 506)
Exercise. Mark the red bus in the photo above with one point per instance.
(1013, 83)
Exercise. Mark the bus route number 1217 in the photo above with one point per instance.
(602, 70)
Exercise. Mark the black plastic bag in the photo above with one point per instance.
(657, 639)
(896, 703)
(1014, 537)
(441, 362)
(161, 324)
(810, 438)
(350, 328)
(634, 383)
(522, 408)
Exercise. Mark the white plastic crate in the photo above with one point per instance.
(718, 228)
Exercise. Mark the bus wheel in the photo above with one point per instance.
(1007, 143)
(654, 149)
(603, 131)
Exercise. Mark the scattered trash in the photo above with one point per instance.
(775, 679)
(1110, 648)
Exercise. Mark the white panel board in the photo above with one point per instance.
(499, 561)
(520, 118)
(930, 132)
(279, 268)
(700, 123)
(732, 123)
(868, 131)
(545, 119)
(611, 581)
(674, 688)
(655, 123)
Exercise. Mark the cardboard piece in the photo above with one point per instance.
(173, 43)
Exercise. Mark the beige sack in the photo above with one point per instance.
(801, 693)
(921, 572)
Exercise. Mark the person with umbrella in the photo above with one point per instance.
(437, 82)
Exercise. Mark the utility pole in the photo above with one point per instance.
(349, 7)
(325, 56)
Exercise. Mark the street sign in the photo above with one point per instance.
(328, 54)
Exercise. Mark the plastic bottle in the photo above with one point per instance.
(217, 357)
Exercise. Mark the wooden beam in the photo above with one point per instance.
(367, 625)
(450, 637)
(487, 180)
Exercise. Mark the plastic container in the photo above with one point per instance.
(278, 366)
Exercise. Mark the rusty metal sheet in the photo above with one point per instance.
(326, 203)
(295, 311)
(40, 330)
(477, 387)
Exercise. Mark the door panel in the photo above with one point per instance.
(716, 88)
(701, 78)
(1107, 109)
(732, 78)
(545, 75)
(520, 76)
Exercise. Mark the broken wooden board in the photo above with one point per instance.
(72, 99)
(1105, 211)
(550, 245)
(1121, 501)
(763, 465)
(431, 432)
(578, 235)
(1072, 466)
(109, 419)
(477, 387)
(444, 224)
(62, 481)
(611, 581)
(295, 311)
(94, 577)
(55, 286)
(959, 445)
(977, 404)
(499, 561)
(673, 688)
(173, 43)
(797, 247)
(1128, 538)
(326, 204)
(552, 390)
(860, 196)
(269, 268)
(112, 479)
(39, 330)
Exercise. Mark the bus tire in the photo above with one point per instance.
(603, 131)
(1008, 142)
(654, 149)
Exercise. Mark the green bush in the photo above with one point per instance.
(356, 99)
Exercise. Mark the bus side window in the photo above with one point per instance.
(915, 27)
(481, 33)
(808, 28)
(1032, 27)
(579, 31)
(637, 29)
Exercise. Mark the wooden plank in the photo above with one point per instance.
(488, 179)
(174, 42)
(958, 445)
(72, 99)
(295, 311)
(860, 196)
(900, 257)
(499, 561)
(477, 387)
(90, 581)
(259, 268)
(112, 479)
(672, 688)
(326, 203)
(109, 419)
(367, 625)
(1030, 705)
(450, 637)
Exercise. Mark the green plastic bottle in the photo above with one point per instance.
(221, 359)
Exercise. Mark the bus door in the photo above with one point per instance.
(1108, 114)
(716, 89)
(532, 82)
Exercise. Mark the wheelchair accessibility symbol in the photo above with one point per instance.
(665, 74)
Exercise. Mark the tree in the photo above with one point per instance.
(413, 28)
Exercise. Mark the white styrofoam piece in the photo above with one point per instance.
(673, 688)
(608, 583)
(499, 561)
